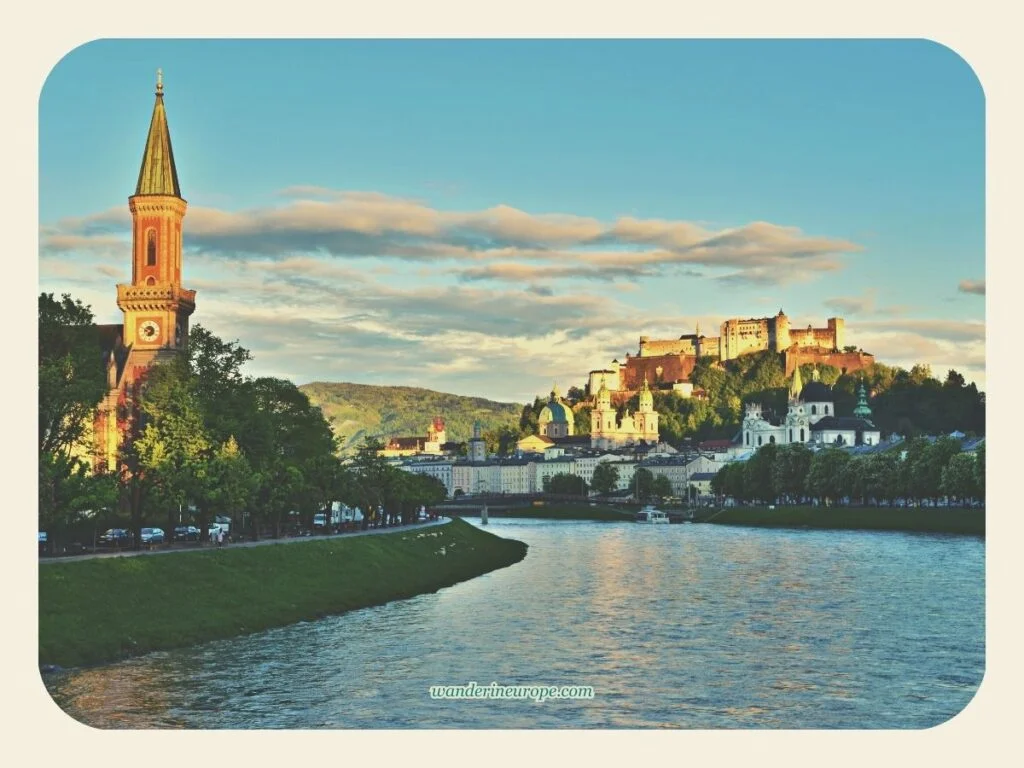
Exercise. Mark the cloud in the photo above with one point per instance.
(944, 330)
(976, 287)
(867, 304)
(357, 224)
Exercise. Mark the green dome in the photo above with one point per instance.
(556, 412)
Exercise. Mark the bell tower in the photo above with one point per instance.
(156, 307)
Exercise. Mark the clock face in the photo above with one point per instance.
(149, 331)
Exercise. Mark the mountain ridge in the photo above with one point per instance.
(358, 411)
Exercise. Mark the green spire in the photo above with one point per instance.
(158, 176)
(862, 410)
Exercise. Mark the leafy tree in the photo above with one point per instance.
(825, 478)
(643, 483)
(729, 481)
(72, 375)
(928, 466)
(166, 461)
(979, 471)
(567, 485)
(759, 472)
(958, 478)
(662, 487)
(792, 463)
(605, 479)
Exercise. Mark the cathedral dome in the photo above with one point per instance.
(816, 392)
(556, 412)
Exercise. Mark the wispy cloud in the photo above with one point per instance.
(972, 286)
(352, 224)
(866, 304)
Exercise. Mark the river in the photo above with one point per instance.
(680, 626)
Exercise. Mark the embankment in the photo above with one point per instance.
(557, 511)
(921, 519)
(105, 609)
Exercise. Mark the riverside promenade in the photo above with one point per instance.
(240, 545)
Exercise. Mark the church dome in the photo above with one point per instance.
(555, 412)
(816, 392)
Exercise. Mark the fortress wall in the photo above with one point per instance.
(653, 348)
(661, 368)
(844, 361)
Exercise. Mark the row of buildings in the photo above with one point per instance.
(528, 473)
(810, 420)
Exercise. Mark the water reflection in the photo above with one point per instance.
(675, 626)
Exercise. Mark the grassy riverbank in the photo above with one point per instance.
(923, 519)
(559, 511)
(105, 609)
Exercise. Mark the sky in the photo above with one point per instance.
(489, 217)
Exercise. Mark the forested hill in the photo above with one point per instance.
(357, 411)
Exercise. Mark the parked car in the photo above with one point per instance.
(115, 537)
(152, 536)
(186, 533)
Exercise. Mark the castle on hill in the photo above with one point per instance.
(669, 362)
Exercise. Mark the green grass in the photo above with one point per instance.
(105, 609)
(923, 519)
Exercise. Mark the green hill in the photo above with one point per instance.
(357, 411)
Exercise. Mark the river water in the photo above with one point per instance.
(679, 626)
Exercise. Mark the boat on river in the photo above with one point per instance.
(650, 514)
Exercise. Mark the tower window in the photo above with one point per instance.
(150, 247)
(814, 410)
(801, 434)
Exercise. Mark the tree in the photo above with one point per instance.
(72, 376)
(662, 487)
(928, 466)
(729, 481)
(567, 485)
(605, 479)
(371, 476)
(789, 472)
(824, 479)
(643, 483)
(72, 381)
(759, 472)
(958, 478)
(165, 458)
(979, 471)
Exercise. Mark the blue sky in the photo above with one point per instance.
(486, 217)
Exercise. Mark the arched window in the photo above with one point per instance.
(771, 439)
(150, 280)
(758, 439)
(814, 410)
(791, 434)
(801, 434)
(826, 409)
(747, 438)
(150, 247)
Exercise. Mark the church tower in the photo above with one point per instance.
(156, 307)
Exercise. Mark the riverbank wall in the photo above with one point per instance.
(920, 519)
(106, 609)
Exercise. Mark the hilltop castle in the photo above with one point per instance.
(669, 362)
